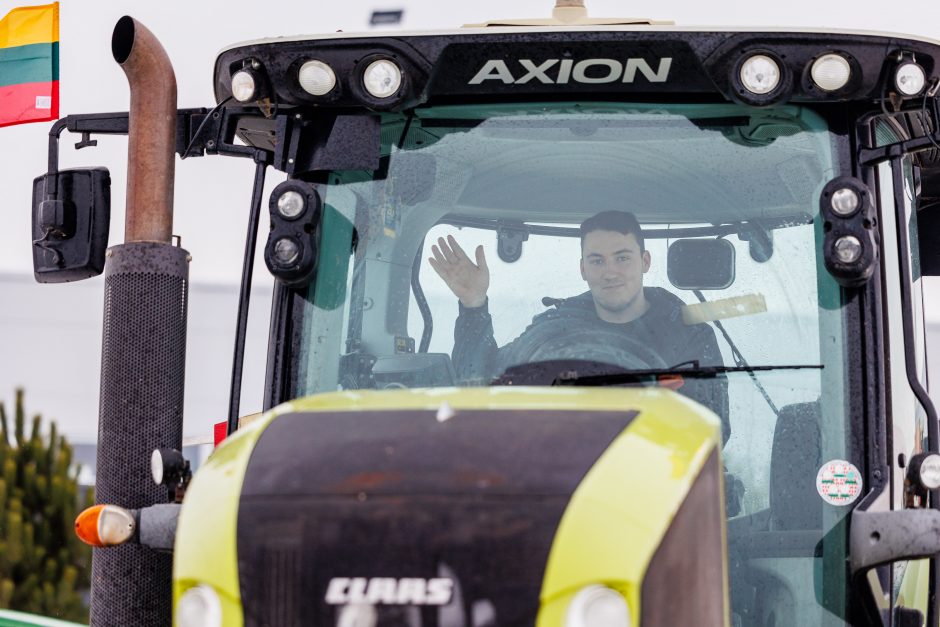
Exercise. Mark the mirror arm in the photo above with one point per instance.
(872, 156)
(200, 131)
(879, 538)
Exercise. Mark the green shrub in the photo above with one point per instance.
(43, 565)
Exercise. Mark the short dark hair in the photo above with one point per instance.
(622, 222)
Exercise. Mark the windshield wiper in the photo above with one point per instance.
(595, 373)
(695, 372)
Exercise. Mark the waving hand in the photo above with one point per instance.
(467, 280)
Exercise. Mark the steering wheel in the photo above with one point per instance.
(574, 339)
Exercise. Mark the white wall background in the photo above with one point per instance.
(50, 335)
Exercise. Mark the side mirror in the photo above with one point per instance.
(700, 264)
(71, 220)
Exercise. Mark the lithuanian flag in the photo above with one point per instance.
(29, 65)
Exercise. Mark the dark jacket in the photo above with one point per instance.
(661, 329)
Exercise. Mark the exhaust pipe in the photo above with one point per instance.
(143, 353)
(152, 132)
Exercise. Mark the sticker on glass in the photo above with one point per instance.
(839, 482)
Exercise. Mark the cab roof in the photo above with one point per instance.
(634, 62)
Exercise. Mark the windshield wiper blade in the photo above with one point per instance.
(591, 372)
(697, 372)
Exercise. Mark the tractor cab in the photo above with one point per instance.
(576, 322)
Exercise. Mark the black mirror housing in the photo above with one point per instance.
(700, 264)
(71, 221)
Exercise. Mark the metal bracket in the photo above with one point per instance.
(509, 239)
(86, 141)
(870, 156)
(877, 538)
(199, 132)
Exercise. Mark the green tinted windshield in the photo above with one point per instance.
(728, 273)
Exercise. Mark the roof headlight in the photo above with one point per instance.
(831, 72)
(760, 74)
(382, 78)
(316, 78)
(244, 86)
(598, 606)
(910, 78)
(199, 607)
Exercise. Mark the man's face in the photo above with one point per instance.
(613, 266)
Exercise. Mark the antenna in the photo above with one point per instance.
(569, 11)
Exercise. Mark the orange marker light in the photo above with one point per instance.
(105, 525)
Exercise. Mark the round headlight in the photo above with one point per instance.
(845, 202)
(316, 78)
(244, 86)
(382, 78)
(760, 74)
(930, 472)
(831, 72)
(290, 204)
(847, 249)
(910, 78)
(199, 607)
(286, 252)
(598, 606)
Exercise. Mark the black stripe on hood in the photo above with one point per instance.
(398, 494)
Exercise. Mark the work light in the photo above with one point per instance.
(831, 72)
(930, 471)
(167, 466)
(760, 74)
(910, 78)
(923, 473)
(244, 86)
(316, 78)
(382, 78)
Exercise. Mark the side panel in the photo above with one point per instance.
(652, 507)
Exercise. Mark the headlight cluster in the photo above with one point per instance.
(762, 78)
(291, 250)
(849, 244)
(378, 80)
